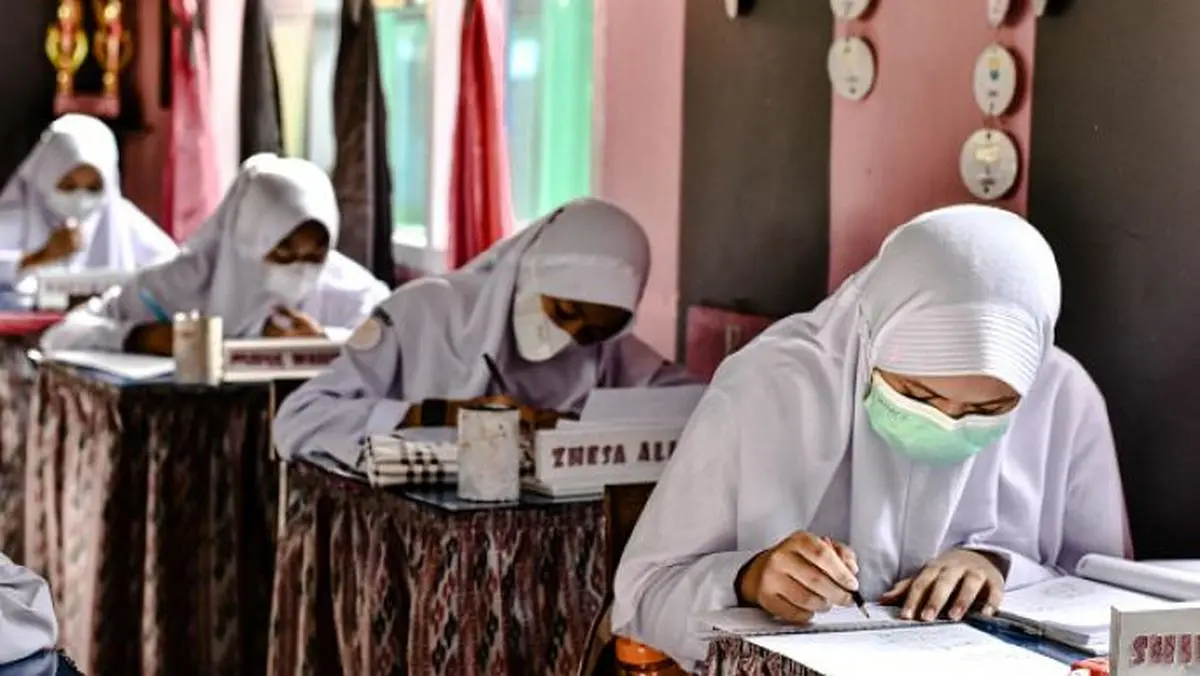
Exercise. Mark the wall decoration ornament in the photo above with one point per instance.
(851, 67)
(989, 164)
(995, 80)
(849, 10)
(67, 49)
(997, 11)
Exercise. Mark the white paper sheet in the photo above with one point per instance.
(755, 622)
(128, 366)
(937, 650)
(641, 404)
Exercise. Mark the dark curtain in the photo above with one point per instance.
(360, 174)
(27, 86)
(260, 110)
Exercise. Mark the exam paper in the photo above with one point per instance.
(129, 366)
(935, 650)
(641, 404)
(755, 622)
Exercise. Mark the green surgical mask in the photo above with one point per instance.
(924, 433)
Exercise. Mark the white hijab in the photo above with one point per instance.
(117, 235)
(781, 441)
(588, 250)
(270, 198)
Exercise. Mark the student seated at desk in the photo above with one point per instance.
(64, 207)
(263, 262)
(27, 622)
(921, 418)
(553, 307)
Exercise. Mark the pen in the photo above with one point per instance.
(496, 377)
(855, 595)
(157, 310)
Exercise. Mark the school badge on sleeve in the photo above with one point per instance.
(367, 335)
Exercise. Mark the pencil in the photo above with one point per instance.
(855, 595)
(496, 377)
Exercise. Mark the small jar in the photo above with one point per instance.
(635, 659)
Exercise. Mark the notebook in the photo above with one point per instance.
(952, 649)
(1071, 610)
(755, 622)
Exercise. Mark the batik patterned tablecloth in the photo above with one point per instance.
(733, 656)
(151, 512)
(369, 581)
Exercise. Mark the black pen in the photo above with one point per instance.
(496, 377)
(855, 595)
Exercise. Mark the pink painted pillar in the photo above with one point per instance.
(896, 153)
(639, 139)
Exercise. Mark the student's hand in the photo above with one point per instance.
(960, 579)
(156, 339)
(802, 575)
(64, 242)
(289, 323)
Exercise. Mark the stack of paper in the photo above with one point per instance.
(135, 367)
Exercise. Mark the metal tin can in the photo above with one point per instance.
(489, 453)
(198, 349)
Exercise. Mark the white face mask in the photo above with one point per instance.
(538, 338)
(291, 283)
(74, 204)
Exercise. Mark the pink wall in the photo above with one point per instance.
(895, 154)
(638, 137)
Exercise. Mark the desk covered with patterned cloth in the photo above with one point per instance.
(151, 512)
(373, 581)
(733, 655)
(19, 331)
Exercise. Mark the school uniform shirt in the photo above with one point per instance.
(221, 271)
(115, 235)
(781, 441)
(429, 338)
(27, 622)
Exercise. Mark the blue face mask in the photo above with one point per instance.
(924, 433)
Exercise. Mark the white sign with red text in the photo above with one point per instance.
(584, 459)
(1156, 641)
(264, 359)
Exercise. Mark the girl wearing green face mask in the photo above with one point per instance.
(917, 437)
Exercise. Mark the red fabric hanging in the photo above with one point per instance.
(190, 189)
(480, 204)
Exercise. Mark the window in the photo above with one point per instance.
(547, 106)
(406, 70)
(548, 97)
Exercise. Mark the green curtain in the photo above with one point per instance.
(565, 137)
(405, 68)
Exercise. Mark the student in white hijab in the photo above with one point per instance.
(921, 419)
(263, 261)
(64, 207)
(27, 622)
(553, 307)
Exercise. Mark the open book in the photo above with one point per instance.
(1077, 610)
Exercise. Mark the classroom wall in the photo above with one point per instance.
(896, 153)
(639, 53)
(755, 198)
(1114, 185)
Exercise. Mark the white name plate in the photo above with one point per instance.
(262, 359)
(55, 287)
(599, 455)
(1156, 641)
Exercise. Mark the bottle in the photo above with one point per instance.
(635, 659)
